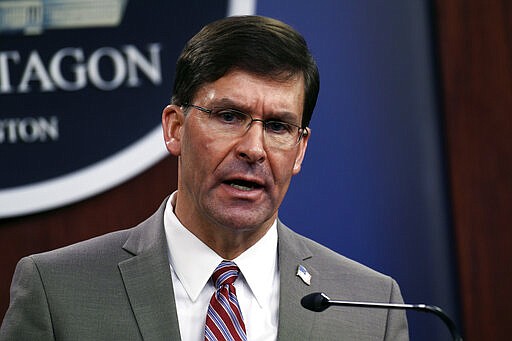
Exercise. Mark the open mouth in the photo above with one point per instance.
(243, 185)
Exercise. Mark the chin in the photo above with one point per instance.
(244, 222)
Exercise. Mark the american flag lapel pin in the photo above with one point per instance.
(303, 273)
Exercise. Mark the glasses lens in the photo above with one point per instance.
(281, 134)
(231, 123)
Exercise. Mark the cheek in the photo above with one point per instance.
(283, 169)
(203, 154)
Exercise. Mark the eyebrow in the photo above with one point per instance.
(284, 116)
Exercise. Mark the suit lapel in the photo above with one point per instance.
(295, 322)
(148, 283)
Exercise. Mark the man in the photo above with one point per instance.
(244, 94)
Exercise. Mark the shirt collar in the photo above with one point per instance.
(258, 264)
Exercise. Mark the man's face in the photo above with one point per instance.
(234, 183)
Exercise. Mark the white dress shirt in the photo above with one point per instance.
(192, 264)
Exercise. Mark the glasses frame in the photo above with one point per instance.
(303, 131)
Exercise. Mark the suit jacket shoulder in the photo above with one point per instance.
(339, 278)
(117, 286)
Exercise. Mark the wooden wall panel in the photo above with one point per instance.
(475, 50)
(118, 208)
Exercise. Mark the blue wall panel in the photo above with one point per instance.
(372, 186)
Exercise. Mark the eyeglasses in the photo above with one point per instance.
(232, 123)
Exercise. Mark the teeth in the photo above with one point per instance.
(241, 187)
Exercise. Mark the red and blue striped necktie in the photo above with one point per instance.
(224, 318)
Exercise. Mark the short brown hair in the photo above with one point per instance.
(255, 44)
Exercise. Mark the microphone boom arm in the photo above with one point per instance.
(320, 301)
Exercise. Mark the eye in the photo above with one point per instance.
(229, 116)
(278, 127)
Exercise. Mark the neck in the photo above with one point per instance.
(227, 242)
(230, 244)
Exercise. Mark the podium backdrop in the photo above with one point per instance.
(81, 151)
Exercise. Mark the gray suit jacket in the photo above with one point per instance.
(118, 287)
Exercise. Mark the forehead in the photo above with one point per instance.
(255, 93)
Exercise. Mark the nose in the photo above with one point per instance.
(251, 147)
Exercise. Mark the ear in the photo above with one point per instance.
(172, 124)
(303, 145)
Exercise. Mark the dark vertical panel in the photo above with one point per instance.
(121, 207)
(475, 45)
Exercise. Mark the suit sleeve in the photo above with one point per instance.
(28, 316)
(396, 327)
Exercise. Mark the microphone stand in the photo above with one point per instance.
(320, 301)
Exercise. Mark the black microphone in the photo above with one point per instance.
(319, 301)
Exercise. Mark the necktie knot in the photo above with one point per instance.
(225, 273)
